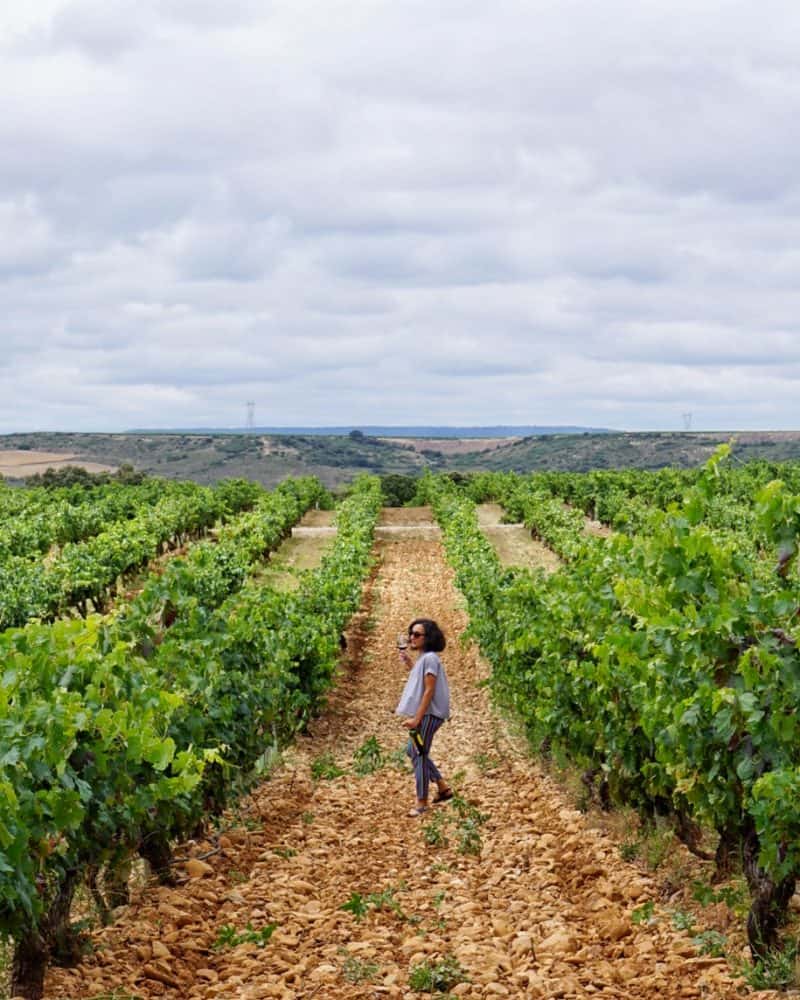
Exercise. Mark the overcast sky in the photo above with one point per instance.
(407, 212)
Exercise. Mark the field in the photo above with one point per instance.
(453, 446)
(636, 630)
(20, 464)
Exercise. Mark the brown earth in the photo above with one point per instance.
(453, 446)
(597, 528)
(311, 538)
(512, 542)
(316, 518)
(16, 464)
(543, 909)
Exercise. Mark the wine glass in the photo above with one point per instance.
(402, 641)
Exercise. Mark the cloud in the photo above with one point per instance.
(28, 245)
(405, 212)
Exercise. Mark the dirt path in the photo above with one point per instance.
(513, 542)
(543, 910)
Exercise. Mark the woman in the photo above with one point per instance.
(426, 699)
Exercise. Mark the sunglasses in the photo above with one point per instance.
(416, 635)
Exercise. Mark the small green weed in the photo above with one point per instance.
(486, 762)
(434, 832)
(307, 818)
(710, 943)
(438, 899)
(469, 837)
(437, 977)
(468, 829)
(357, 905)
(629, 850)
(657, 848)
(643, 914)
(325, 768)
(683, 921)
(229, 937)
(236, 876)
(368, 758)
(240, 821)
(286, 852)
(466, 810)
(703, 893)
(773, 973)
(86, 924)
(360, 905)
(385, 901)
(356, 971)
(734, 896)
(398, 759)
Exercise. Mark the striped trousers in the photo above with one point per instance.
(425, 771)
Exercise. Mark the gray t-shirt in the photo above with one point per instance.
(428, 663)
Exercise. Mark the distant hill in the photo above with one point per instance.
(390, 431)
(338, 458)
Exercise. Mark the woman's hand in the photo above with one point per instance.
(410, 724)
(405, 657)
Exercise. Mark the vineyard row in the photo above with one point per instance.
(113, 747)
(664, 664)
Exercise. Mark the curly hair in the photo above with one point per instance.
(434, 637)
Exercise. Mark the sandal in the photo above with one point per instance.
(444, 796)
(417, 811)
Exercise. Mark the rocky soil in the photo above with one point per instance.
(505, 891)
